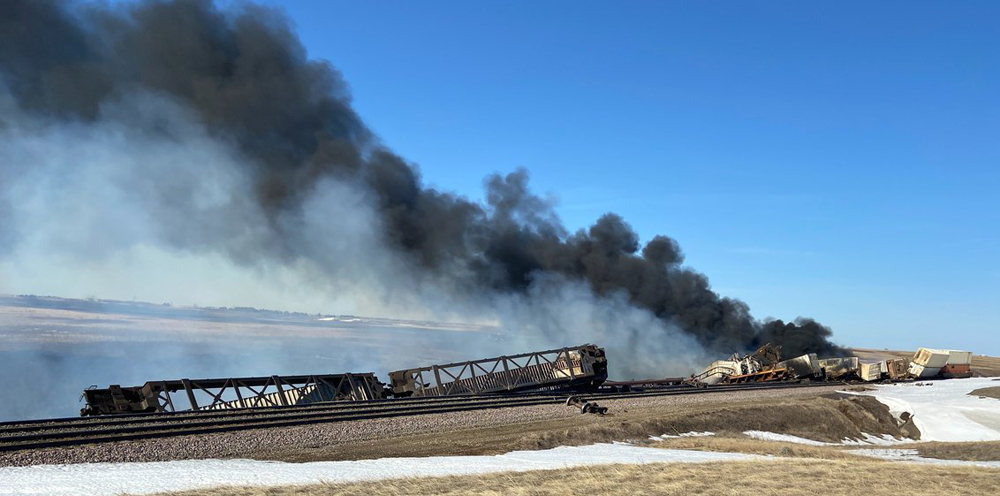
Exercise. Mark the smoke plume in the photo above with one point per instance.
(215, 135)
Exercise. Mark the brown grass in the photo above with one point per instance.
(981, 452)
(966, 451)
(828, 418)
(784, 477)
(988, 392)
(755, 447)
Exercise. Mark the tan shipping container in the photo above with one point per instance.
(800, 367)
(898, 368)
(958, 357)
(931, 358)
(871, 371)
(837, 368)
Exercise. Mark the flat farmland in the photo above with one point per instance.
(53, 348)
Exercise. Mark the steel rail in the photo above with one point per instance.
(184, 416)
(171, 429)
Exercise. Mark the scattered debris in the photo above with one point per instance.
(586, 406)
(764, 365)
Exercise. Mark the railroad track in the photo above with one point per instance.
(35, 434)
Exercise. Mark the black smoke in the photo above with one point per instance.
(248, 79)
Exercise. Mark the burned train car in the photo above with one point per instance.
(230, 393)
(844, 368)
(577, 368)
(802, 367)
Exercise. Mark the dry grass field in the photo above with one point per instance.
(979, 452)
(798, 477)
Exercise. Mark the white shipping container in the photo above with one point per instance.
(719, 370)
(923, 372)
(870, 371)
(931, 358)
(957, 357)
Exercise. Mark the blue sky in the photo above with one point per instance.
(837, 160)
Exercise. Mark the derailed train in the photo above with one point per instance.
(574, 369)
(764, 365)
(578, 368)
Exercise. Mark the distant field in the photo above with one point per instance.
(982, 366)
(53, 348)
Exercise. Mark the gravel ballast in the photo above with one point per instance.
(264, 443)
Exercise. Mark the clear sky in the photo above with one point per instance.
(839, 160)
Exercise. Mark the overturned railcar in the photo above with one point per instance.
(576, 368)
(959, 365)
(230, 393)
(802, 367)
(843, 368)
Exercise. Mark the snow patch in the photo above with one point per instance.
(785, 438)
(943, 410)
(100, 479)
(912, 455)
(664, 437)
(883, 440)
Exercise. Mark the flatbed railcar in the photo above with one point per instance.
(582, 367)
(231, 393)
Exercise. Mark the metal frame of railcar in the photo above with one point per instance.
(249, 392)
(506, 373)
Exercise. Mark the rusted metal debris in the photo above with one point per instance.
(586, 406)
(763, 366)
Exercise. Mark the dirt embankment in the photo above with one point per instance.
(988, 392)
(829, 417)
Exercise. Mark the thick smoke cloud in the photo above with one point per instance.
(183, 71)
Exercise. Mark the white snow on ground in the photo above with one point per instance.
(96, 479)
(663, 437)
(943, 410)
(786, 438)
(912, 455)
(884, 440)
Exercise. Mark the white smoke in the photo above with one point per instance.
(145, 203)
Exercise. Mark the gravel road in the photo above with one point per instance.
(258, 443)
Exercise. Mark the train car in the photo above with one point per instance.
(719, 371)
(754, 367)
(230, 393)
(959, 365)
(897, 368)
(802, 367)
(928, 362)
(840, 368)
(116, 399)
(576, 368)
(870, 372)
